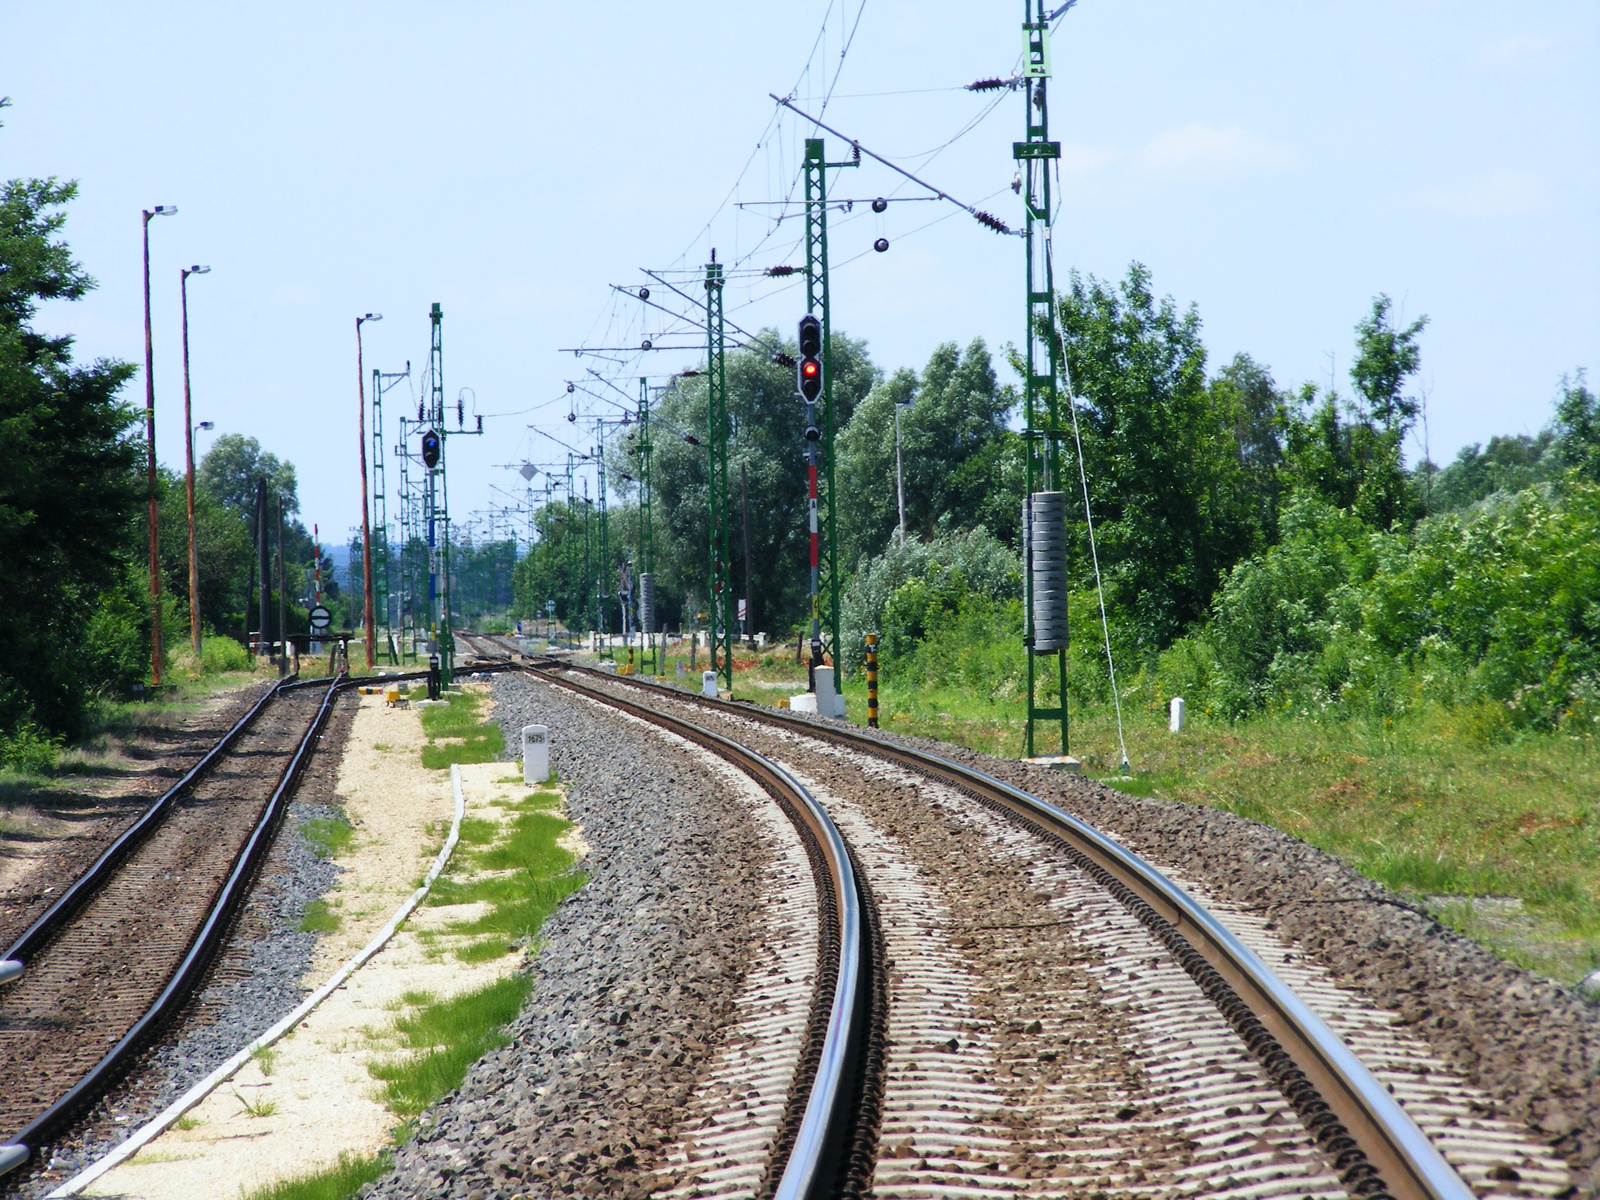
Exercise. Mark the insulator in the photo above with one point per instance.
(688, 373)
(1045, 522)
(880, 205)
(645, 345)
(569, 387)
(784, 360)
(573, 417)
(988, 85)
(777, 271)
(419, 410)
(625, 475)
(691, 439)
(461, 412)
(994, 223)
(644, 293)
(881, 245)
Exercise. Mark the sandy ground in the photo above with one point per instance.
(315, 1080)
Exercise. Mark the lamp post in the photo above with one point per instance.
(366, 522)
(899, 474)
(188, 458)
(157, 643)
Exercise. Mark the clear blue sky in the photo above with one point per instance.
(1275, 164)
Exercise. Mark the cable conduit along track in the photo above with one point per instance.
(205, 942)
(826, 1142)
(1375, 1146)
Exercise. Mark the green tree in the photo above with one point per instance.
(961, 464)
(1172, 501)
(766, 421)
(1577, 427)
(1386, 356)
(71, 494)
(232, 466)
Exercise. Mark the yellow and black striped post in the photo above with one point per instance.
(872, 680)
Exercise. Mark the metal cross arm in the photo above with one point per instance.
(983, 218)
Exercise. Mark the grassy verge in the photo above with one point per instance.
(457, 733)
(1498, 835)
(518, 872)
(335, 1183)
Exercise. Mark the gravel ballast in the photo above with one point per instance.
(637, 977)
(1530, 1043)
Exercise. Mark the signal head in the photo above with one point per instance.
(810, 336)
(430, 449)
(812, 433)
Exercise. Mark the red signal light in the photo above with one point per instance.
(810, 369)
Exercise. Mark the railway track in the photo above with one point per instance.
(96, 977)
(1060, 1018)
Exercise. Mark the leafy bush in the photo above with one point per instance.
(908, 591)
(219, 654)
(29, 749)
(1498, 603)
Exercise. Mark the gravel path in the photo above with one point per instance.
(640, 974)
(253, 984)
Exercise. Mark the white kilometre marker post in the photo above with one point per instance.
(535, 753)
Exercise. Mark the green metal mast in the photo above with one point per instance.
(380, 513)
(721, 592)
(816, 187)
(646, 534)
(410, 572)
(602, 597)
(437, 511)
(1043, 429)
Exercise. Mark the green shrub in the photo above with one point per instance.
(1498, 603)
(220, 654)
(29, 750)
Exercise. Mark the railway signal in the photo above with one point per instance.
(430, 449)
(808, 372)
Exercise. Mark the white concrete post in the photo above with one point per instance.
(535, 753)
(827, 697)
(708, 684)
(1175, 718)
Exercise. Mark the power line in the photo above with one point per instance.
(982, 218)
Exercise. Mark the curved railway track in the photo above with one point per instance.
(96, 977)
(1248, 1091)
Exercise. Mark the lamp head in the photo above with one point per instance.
(373, 317)
(206, 425)
(197, 269)
(164, 210)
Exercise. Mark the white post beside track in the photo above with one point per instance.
(535, 753)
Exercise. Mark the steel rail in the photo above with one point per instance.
(1292, 1042)
(18, 1149)
(37, 935)
(819, 1152)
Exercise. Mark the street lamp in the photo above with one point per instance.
(158, 647)
(188, 455)
(899, 474)
(366, 522)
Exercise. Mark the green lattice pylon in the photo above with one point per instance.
(816, 190)
(1042, 426)
(721, 583)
